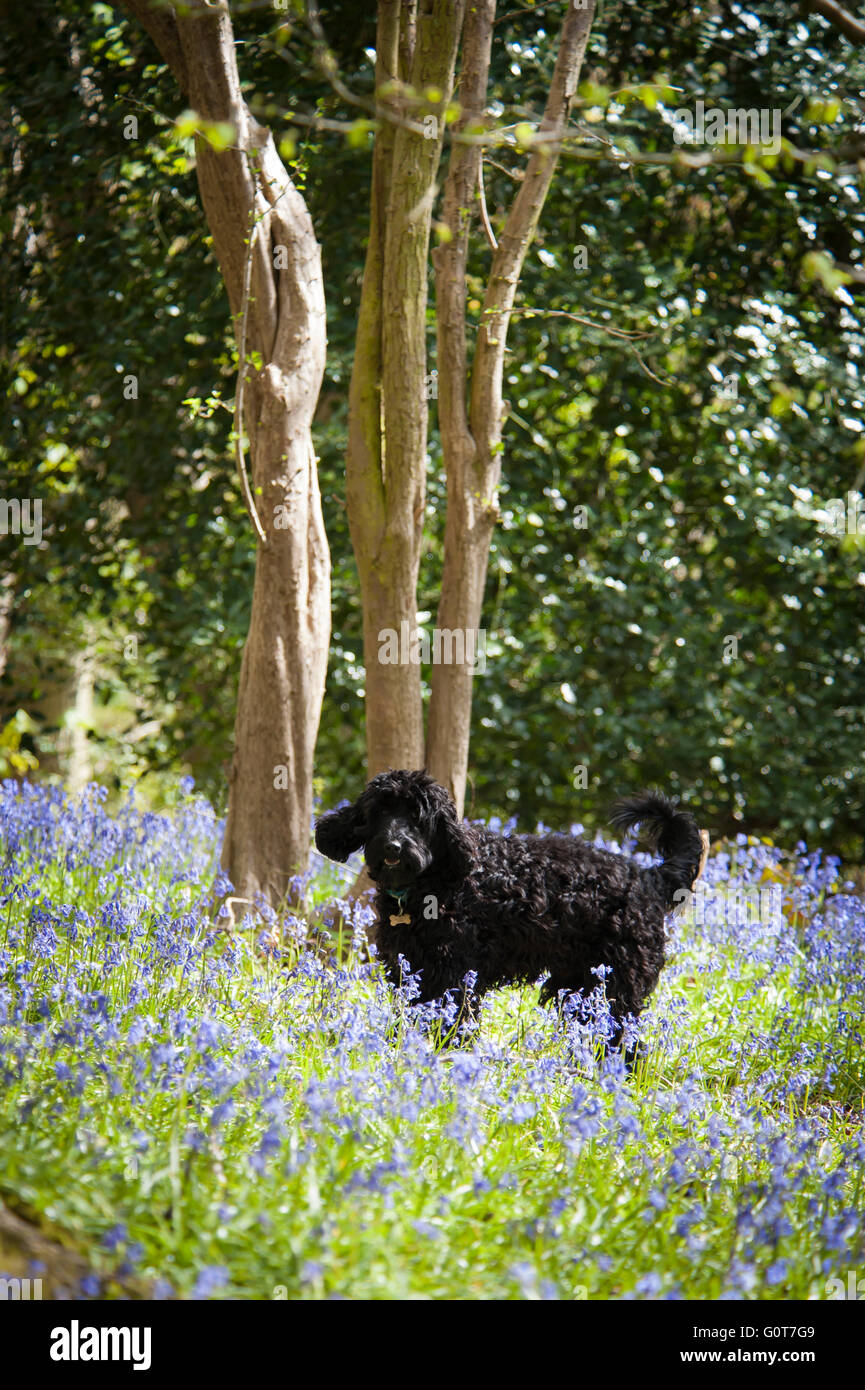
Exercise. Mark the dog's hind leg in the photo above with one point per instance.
(551, 989)
(632, 1052)
(574, 1000)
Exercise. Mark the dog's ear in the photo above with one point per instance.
(339, 833)
(453, 845)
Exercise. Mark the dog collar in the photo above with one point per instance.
(402, 917)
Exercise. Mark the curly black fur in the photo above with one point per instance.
(509, 909)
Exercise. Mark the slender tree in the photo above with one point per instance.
(470, 395)
(416, 49)
(265, 244)
(415, 53)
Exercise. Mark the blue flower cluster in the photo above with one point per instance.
(227, 1110)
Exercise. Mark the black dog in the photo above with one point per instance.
(457, 900)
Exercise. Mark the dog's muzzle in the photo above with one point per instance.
(395, 858)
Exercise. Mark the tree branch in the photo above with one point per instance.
(848, 24)
(159, 20)
(487, 367)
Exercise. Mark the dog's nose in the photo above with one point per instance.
(392, 852)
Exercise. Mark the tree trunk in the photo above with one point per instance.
(471, 437)
(386, 461)
(79, 718)
(7, 598)
(470, 512)
(285, 656)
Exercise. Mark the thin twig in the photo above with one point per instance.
(662, 381)
(482, 198)
(630, 334)
(516, 174)
(717, 156)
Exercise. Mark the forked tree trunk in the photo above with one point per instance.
(471, 417)
(386, 461)
(285, 656)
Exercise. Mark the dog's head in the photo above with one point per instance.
(406, 825)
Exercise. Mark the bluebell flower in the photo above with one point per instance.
(209, 1281)
(649, 1285)
(427, 1230)
(114, 1238)
(776, 1273)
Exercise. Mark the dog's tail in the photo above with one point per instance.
(673, 834)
